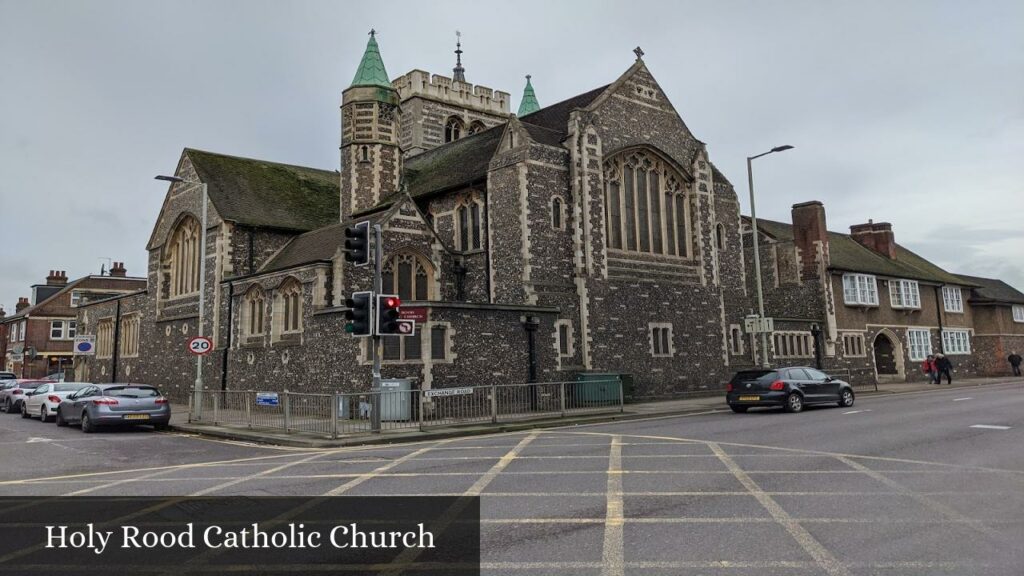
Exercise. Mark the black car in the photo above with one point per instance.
(791, 388)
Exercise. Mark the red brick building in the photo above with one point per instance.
(38, 338)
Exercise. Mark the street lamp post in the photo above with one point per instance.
(757, 252)
(198, 404)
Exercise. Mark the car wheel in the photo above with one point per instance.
(60, 419)
(846, 398)
(43, 416)
(24, 410)
(7, 407)
(87, 426)
(738, 409)
(794, 402)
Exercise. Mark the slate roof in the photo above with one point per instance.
(320, 244)
(556, 116)
(993, 290)
(261, 193)
(454, 164)
(847, 254)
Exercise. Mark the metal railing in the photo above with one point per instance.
(350, 413)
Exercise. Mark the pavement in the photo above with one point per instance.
(691, 405)
(902, 484)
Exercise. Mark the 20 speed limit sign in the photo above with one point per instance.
(200, 345)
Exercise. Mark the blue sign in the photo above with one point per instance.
(266, 399)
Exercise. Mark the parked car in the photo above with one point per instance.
(13, 392)
(114, 405)
(791, 388)
(8, 376)
(56, 376)
(43, 401)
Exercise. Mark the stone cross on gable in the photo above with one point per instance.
(639, 53)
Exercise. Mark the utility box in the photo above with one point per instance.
(597, 388)
(396, 400)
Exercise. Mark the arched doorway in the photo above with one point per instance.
(888, 356)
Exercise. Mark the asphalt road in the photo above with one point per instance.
(898, 485)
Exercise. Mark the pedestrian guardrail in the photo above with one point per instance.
(351, 413)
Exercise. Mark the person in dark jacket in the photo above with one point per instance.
(945, 368)
(1014, 360)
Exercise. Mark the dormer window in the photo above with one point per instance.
(904, 294)
(860, 290)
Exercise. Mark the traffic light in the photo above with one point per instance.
(359, 314)
(389, 307)
(357, 243)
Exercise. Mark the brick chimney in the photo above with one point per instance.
(21, 305)
(118, 270)
(876, 236)
(809, 232)
(57, 278)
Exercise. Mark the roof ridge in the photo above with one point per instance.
(550, 106)
(450, 145)
(250, 159)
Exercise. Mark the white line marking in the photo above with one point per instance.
(856, 411)
(959, 399)
(34, 440)
(990, 427)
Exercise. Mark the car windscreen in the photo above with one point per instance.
(755, 376)
(68, 387)
(132, 392)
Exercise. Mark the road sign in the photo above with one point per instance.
(200, 345)
(756, 325)
(406, 327)
(85, 345)
(267, 399)
(447, 392)
(417, 314)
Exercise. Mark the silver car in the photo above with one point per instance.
(43, 401)
(114, 405)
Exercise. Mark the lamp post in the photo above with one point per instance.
(198, 404)
(757, 252)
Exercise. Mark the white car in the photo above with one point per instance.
(44, 400)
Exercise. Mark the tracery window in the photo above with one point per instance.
(253, 310)
(183, 257)
(476, 127)
(407, 275)
(469, 215)
(452, 129)
(646, 205)
(290, 306)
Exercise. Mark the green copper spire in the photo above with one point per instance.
(528, 104)
(371, 70)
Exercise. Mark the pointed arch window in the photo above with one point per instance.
(646, 207)
(408, 275)
(253, 310)
(183, 258)
(453, 129)
(469, 217)
(476, 127)
(720, 237)
(289, 306)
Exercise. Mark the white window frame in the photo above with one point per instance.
(1018, 312)
(860, 290)
(71, 329)
(59, 326)
(956, 342)
(904, 295)
(76, 298)
(655, 330)
(919, 343)
(952, 299)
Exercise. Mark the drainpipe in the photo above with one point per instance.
(487, 230)
(531, 324)
(117, 341)
(227, 347)
(252, 256)
(938, 314)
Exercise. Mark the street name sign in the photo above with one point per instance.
(267, 399)
(447, 392)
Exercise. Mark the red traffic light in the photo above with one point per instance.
(392, 302)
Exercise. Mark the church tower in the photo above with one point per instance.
(371, 157)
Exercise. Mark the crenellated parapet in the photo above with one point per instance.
(445, 89)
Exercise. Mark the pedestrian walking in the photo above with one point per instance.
(928, 367)
(945, 368)
(1014, 360)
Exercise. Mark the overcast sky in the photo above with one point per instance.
(907, 112)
